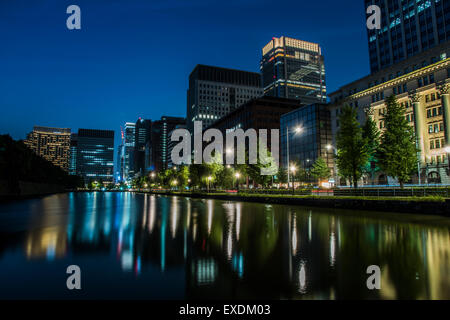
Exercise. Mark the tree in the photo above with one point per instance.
(397, 152)
(265, 168)
(281, 175)
(320, 169)
(352, 154)
(372, 135)
(182, 176)
(225, 178)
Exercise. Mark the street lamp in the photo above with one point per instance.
(296, 130)
(209, 180)
(330, 147)
(237, 175)
(293, 169)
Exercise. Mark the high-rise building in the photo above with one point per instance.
(293, 69)
(120, 163)
(128, 153)
(53, 144)
(214, 92)
(73, 154)
(171, 144)
(95, 160)
(407, 28)
(157, 146)
(142, 134)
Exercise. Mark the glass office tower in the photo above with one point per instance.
(408, 27)
(95, 160)
(313, 140)
(293, 69)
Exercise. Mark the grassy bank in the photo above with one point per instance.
(316, 197)
(430, 205)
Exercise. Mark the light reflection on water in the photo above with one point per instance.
(146, 246)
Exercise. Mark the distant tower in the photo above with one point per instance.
(53, 144)
(293, 69)
(214, 92)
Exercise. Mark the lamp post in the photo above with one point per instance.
(293, 169)
(209, 180)
(237, 175)
(296, 130)
(330, 147)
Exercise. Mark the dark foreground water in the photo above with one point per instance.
(156, 247)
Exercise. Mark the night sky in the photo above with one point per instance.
(132, 58)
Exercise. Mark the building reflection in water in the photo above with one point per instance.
(247, 250)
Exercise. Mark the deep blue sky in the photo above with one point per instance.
(132, 58)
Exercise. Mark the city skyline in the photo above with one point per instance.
(61, 64)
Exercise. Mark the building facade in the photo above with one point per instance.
(53, 144)
(261, 113)
(129, 136)
(214, 92)
(142, 134)
(157, 155)
(95, 160)
(171, 144)
(314, 139)
(293, 69)
(408, 27)
(424, 92)
(73, 154)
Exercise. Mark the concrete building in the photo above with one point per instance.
(53, 144)
(261, 113)
(214, 92)
(421, 84)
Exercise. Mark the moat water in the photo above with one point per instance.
(137, 246)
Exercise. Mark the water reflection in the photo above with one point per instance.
(216, 249)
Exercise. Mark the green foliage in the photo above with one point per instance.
(225, 178)
(372, 136)
(281, 175)
(353, 153)
(397, 152)
(320, 169)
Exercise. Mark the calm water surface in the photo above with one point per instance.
(157, 247)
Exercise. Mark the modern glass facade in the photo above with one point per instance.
(142, 134)
(128, 152)
(408, 27)
(293, 69)
(312, 141)
(73, 154)
(95, 160)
